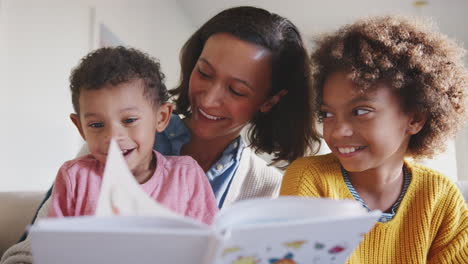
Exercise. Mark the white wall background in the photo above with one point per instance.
(40, 41)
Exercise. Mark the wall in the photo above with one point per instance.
(40, 41)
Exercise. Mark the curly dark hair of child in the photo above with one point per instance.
(285, 130)
(423, 66)
(116, 65)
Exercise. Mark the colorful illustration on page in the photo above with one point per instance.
(246, 260)
(299, 251)
(230, 250)
(295, 244)
(288, 259)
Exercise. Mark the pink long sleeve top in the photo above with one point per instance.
(178, 183)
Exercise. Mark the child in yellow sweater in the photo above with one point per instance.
(390, 88)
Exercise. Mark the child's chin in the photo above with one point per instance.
(352, 167)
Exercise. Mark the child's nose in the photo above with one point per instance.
(115, 131)
(342, 129)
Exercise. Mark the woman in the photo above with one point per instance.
(243, 66)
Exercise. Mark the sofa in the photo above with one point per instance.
(18, 208)
(16, 212)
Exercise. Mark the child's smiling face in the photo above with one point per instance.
(365, 130)
(124, 113)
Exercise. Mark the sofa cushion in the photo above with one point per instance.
(17, 210)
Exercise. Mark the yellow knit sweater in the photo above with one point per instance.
(430, 226)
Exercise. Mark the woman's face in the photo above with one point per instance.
(230, 82)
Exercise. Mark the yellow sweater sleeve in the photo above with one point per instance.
(299, 180)
(451, 242)
(316, 176)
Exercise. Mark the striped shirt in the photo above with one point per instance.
(385, 217)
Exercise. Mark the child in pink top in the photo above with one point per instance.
(119, 93)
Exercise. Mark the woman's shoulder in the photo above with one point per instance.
(256, 164)
(175, 127)
(253, 178)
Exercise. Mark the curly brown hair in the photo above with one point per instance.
(116, 65)
(423, 66)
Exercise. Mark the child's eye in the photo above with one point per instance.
(130, 120)
(323, 115)
(361, 111)
(235, 92)
(96, 125)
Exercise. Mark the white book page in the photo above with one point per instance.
(121, 194)
(115, 224)
(127, 246)
(292, 230)
(285, 209)
(302, 241)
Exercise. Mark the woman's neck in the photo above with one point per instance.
(205, 151)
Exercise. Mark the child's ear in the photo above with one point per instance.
(163, 115)
(416, 123)
(76, 120)
(272, 101)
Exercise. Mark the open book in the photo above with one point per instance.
(129, 227)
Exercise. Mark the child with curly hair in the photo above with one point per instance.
(119, 93)
(389, 88)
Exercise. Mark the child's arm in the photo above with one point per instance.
(61, 203)
(451, 242)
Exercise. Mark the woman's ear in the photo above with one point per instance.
(416, 123)
(272, 101)
(163, 116)
(76, 120)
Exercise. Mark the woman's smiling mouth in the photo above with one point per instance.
(208, 116)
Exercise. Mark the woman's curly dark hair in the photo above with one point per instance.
(285, 131)
(116, 65)
(423, 66)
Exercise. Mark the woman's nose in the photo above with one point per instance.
(213, 96)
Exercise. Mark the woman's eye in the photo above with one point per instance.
(235, 92)
(203, 74)
(359, 112)
(130, 120)
(96, 125)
